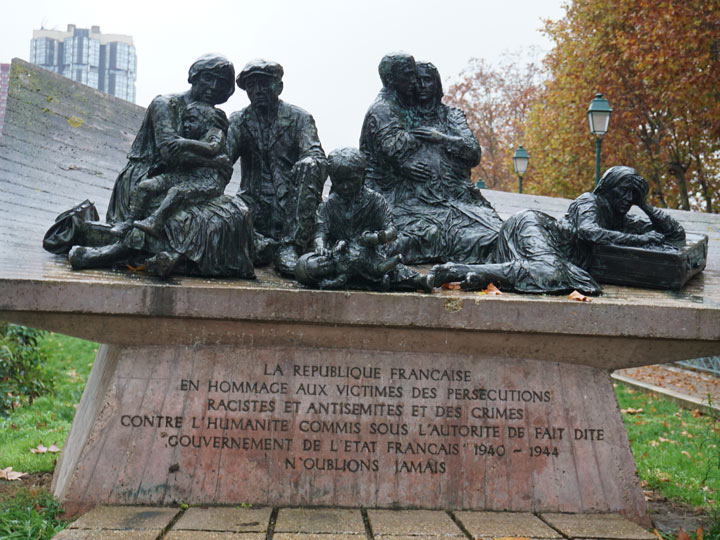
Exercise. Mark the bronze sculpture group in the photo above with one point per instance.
(404, 197)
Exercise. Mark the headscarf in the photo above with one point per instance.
(430, 68)
(618, 175)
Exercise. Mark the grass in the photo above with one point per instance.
(30, 515)
(49, 418)
(677, 451)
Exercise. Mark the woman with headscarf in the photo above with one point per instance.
(536, 253)
(211, 238)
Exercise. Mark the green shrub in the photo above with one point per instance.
(23, 376)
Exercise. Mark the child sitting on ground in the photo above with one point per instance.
(200, 173)
(351, 228)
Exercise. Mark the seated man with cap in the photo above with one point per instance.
(282, 164)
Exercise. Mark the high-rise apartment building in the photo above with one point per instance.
(4, 82)
(104, 61)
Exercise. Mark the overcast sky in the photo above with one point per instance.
(330, 49)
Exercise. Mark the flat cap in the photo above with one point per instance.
(259, 67)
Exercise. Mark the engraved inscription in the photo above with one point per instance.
(367, 418)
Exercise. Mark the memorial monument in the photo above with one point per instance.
(229, 391)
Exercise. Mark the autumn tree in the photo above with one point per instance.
(658, 63)
(496, 101)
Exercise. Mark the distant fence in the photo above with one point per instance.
(710, 364)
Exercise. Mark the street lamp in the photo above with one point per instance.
(520, 162)
(599, 117)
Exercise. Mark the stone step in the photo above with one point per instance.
(237, 523)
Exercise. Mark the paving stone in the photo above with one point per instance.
(499, 524)
(126, 518)
(417, 537)
(303, 536)
(429, 523)
(320, 521)
(212, 535)
(224, 519)
(103, 534)
(593, 526)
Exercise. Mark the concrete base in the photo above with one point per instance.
(230, 424)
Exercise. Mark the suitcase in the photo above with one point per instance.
(662, 267)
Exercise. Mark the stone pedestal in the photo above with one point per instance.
(284, 425)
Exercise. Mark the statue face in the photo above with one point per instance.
(210, 88)
(349, 185)
(320, 268)
(263, 90)
(425, 84)
(193, 124)
(405, 78)
(622, 197)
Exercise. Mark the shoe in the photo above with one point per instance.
(286, 258)
(77, 256)
(161, 265)
(424, 283)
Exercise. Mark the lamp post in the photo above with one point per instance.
(520, 162)
(599, 117)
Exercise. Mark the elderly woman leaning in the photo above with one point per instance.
(538, 254)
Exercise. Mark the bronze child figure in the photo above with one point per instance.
(351, 229)
(201, 174)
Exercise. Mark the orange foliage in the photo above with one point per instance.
(496, 101)
(658, 64)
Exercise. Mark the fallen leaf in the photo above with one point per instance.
(40, 449)
(696, 413)
(54, 448)
(686, 453)
(656, 533)
(699, 534)
(454, 286)
(663, 439)
(663, 477)
(653, 443)
(9, 474)
(139, 268)
(492, 290)
(13, 426)
(682, 535)
(630, 410)
(579, 297)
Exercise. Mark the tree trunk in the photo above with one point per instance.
(704, 185)
(678, 170)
